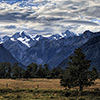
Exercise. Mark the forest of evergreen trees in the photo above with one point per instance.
(32, 71)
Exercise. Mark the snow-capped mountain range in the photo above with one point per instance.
(27, 39)
(51, 50)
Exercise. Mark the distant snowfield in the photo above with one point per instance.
(26, 39)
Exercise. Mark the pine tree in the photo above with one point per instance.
(32, 69)
(77, 72)
(5, 70)
(17, 72)
(26, 74)
(41, 72)
(46, 70)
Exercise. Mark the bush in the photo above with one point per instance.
(96, 90)
(67, 94)
(30, 90)
(5, 91)
(18, 96)
(74, 93)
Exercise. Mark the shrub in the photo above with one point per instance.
(74, 93)
(96, 90)
(18, 96)
(67, 94)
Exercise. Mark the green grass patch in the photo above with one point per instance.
(47, 94)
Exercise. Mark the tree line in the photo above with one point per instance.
(32, 71)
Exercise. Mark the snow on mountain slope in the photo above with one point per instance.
(28, 39)
(38, 37)
(1, 41)
(68, 34)
(19, 36)
(22, 37)
(55, 37)
(24, 41)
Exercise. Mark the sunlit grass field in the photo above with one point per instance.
(31, 83)
(40, 83)
(44, 89)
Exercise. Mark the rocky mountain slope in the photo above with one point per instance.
(51, 50)
(92, 51)
(6, 56)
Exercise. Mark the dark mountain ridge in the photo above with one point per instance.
(52, 51)
(92, 51)
(6, 56)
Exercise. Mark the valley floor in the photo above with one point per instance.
(44, 89)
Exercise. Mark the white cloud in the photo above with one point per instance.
(50, 16)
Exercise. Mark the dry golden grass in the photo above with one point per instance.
(22, 89)
(96, 85)
(34, 83)
(30, 83)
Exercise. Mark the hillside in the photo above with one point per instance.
(51, 50)
(6, 56)
(92, 50)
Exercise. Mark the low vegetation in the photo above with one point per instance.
(45, 89)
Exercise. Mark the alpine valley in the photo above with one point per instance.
(53, 51)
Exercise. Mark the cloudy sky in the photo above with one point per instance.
(49, 16)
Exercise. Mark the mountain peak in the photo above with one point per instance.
(16, 35)
(19, 34)
(88, 31)
(68, 33)
(38, 37)
(5, 38)
(22, 37)
(22, 33)
(55, 36)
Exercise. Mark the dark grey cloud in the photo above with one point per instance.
(41, 31)
(47, 34)
(81, 22)
(10, 27)
(4, 33)
(14, 16)
(93, 11)
(47, 20)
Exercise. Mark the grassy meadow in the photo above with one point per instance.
(44, 89)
